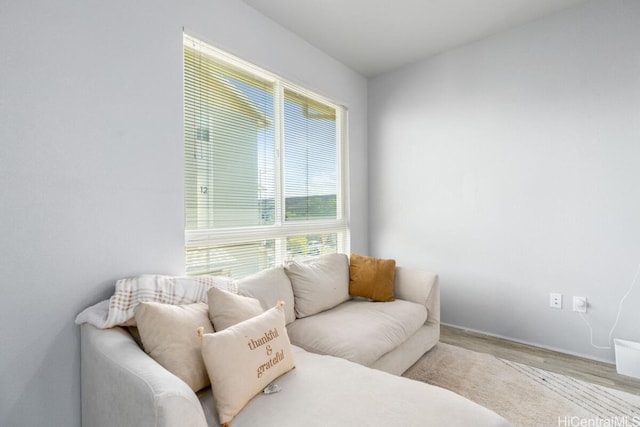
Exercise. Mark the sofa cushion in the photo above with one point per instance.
(359, 330)
(269, 286)
(329, 391)
(243, 359)
(319, 283)
(227, 309)
(371, 277)
(169, 335)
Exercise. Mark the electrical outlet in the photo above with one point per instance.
(580, 304)
(555, 300)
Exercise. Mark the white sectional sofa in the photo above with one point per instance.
(347, 360)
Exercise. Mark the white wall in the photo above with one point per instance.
(511, 166)
(91, 166)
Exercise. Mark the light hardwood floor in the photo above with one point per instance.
(578, 367)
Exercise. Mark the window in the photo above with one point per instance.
(265, 167)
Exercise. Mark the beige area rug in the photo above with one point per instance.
(526, 396)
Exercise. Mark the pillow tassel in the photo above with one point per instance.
(200, 331)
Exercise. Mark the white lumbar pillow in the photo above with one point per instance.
(243, 359)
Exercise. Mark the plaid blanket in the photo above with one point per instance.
(119, 309)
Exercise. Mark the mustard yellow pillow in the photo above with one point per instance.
(371, 277)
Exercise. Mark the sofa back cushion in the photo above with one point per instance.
(269, 286)
(319, 284)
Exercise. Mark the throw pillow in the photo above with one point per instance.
(371, 277)
(269, 286)
(169, 335)
(319, 284)
(227, 309)
(243, 359)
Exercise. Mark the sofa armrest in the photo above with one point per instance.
(421, 287)
(123, 386)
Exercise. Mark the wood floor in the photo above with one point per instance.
(583, 369)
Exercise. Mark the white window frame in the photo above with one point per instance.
(281, 229)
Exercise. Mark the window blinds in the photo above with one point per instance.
(264, 167)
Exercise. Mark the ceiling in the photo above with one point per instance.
(376, 36)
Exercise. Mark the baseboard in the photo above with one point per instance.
(557, 350)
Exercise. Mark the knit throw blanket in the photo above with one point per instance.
(119, 310)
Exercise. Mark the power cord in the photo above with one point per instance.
(582, 316)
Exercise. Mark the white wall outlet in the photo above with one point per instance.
(555, 300)
(580, 304)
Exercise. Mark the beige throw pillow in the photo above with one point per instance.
(319, 284)
(227, 309)
(243, 359)
(169, 335)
